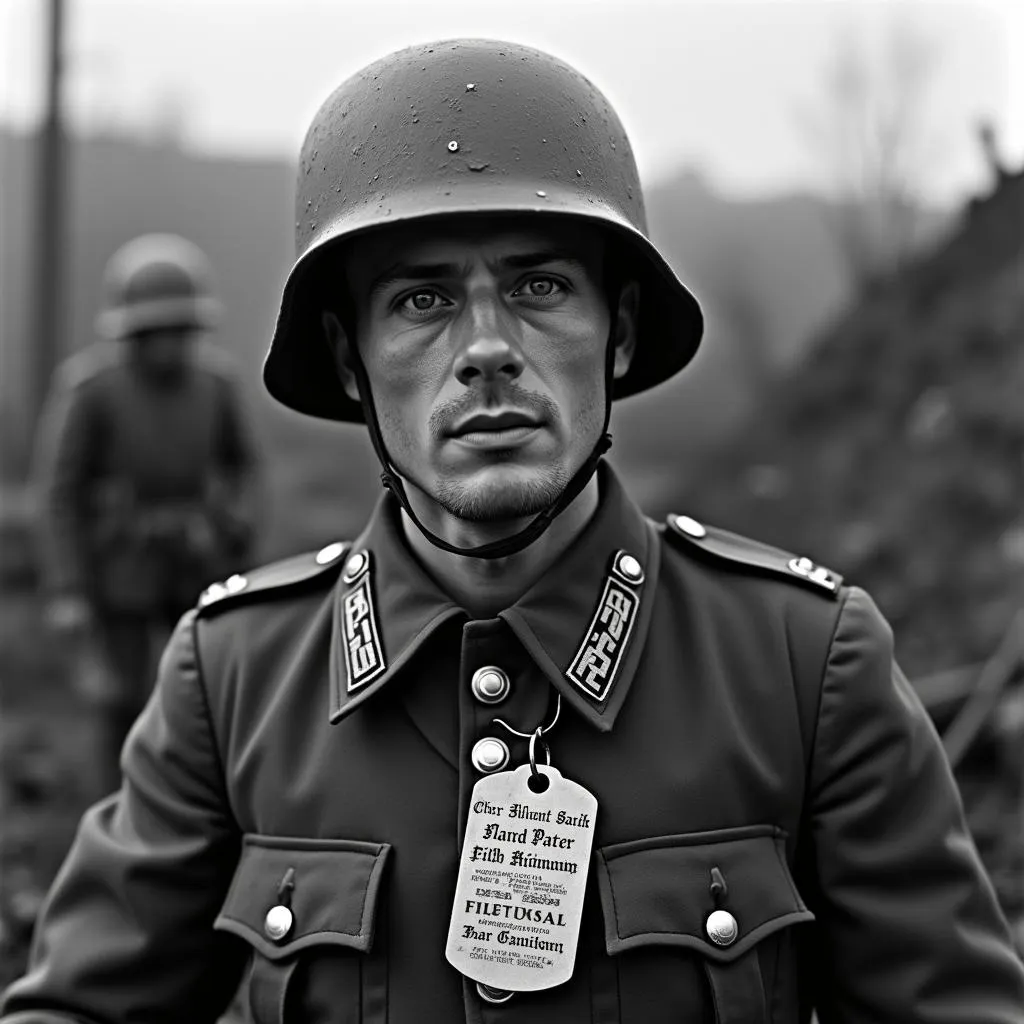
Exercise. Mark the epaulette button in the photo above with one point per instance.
(329, 553)
(690, 526)
(815, 573)
(214, 592)
(235, 584)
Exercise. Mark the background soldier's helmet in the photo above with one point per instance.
(465, 127)
(157, 281)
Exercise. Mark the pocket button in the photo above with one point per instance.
(278, 922)
(722, 928)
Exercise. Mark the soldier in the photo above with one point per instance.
(515, 753)
(146, 472)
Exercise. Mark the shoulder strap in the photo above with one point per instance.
(731, 548)
(281, 575)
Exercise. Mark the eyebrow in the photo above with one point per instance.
(523, 261)
(412, 272)
(425, 271)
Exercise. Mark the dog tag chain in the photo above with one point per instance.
(522, 875)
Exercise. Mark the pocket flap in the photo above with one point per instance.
(659, 891)
(330, 887)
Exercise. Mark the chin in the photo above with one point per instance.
(501, 493)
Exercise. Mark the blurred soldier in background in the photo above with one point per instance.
(145, 472)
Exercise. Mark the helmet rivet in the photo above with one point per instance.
(471, 87)
(453, 146)
(542, 194)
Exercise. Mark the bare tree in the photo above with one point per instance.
(870, 125)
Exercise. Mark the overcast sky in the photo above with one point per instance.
(719, 86)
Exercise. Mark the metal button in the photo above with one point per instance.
(815, 573)
(629, 568)
(278, 922)
(493, 995)
(214, 592)
(490, 685)
(329, 553)
(722, 928)
(489, 755)
(690, 526)
(354, 567)
(235, 584)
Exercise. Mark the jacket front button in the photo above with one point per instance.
(722, 928)
(490, 685)
(278, 922)
(489, 755)
(493, 995)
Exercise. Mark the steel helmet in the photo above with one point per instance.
(157, 281)
(466, 126)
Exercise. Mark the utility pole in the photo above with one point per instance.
(50, 207)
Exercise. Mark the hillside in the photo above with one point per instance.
(894, 452)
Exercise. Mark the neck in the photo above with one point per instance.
(486, 586)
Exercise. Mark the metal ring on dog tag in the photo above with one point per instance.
(522, 875)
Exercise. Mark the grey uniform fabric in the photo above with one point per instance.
(747, 718)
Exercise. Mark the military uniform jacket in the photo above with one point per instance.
(739, 717)
(117, 450)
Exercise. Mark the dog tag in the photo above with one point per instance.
(522, 875)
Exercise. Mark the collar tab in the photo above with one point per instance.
(594, 669)
(360, 636)
(385, 608)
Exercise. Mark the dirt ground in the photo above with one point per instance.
(42, 770)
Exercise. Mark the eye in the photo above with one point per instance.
(426, 300)
(540, 287)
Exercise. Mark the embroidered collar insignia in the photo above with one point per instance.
(597, 661)
(364, 655)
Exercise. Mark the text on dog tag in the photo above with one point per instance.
(522, 875)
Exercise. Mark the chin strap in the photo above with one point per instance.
(506, 546)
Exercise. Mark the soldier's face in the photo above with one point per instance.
(484, 344)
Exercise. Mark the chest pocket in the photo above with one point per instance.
(714, 903)
(309, 908)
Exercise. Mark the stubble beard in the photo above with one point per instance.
(495, 501)
(506, 492)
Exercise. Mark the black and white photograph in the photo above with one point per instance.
(512, 512)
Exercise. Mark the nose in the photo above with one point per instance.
(488, 353)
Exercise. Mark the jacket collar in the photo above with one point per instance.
(583, 623)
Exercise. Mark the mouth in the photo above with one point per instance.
(496, 430)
